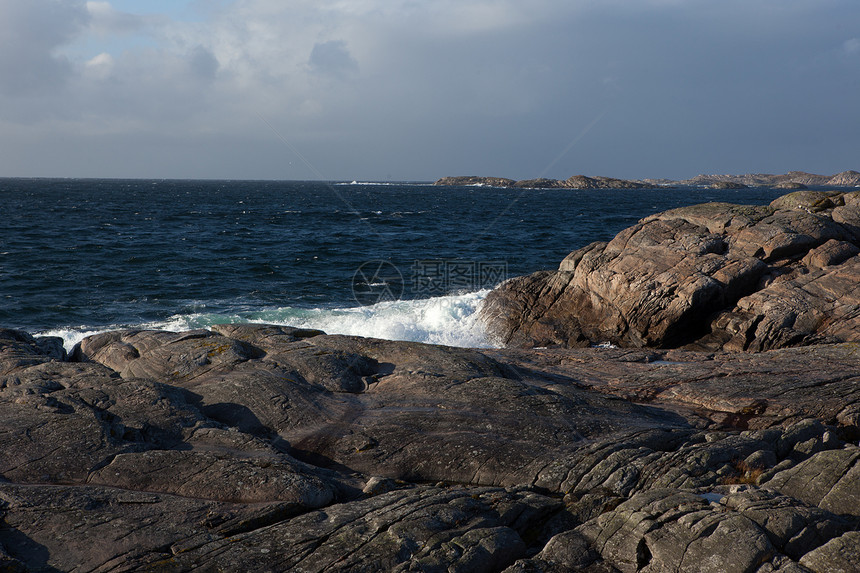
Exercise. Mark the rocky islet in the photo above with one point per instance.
(794, 180)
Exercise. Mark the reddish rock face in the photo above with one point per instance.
(254, 447)
(712, 276)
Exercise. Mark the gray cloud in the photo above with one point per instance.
(332, 58)
(373, 88)
(30, 33)
(203, 63)
(106, 21)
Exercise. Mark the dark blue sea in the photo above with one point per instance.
(407, 261)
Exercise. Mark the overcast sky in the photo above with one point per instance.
(415, 90)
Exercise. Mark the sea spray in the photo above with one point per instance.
(449, 320)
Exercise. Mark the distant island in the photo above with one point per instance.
(795, 180)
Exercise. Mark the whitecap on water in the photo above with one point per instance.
(448, 320)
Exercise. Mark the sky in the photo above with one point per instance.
(416, 90)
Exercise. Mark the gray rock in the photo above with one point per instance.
(760, 460)
(569, 549)
(236, 479)
(792, 527)
(829, 480)
(377, 485)
(671, 530)
(840, 555)
(423, 529)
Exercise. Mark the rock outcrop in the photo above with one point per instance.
(471, 180)
(258, 448)
(794, 180)
(791, 185)
(727, 185)
(574, 182)
(781, 181)
(713, 276)
(540, 183)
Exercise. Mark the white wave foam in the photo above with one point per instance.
(448, 320)
(72, 336)
(386, 183)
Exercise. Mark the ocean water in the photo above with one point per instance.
(407, 261)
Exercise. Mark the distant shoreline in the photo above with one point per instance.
(793, 180)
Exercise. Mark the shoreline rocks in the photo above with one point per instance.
(712, 276)
(259, 447)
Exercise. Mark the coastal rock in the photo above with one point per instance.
(257, 447)
(200, 475)
(541, 183)
(714, 275)
(829, 480)
(421, 528)
(390, 409)
(794, 180)
(583, 182)
(790, 185)
(840, 555)
(19, 349)
(673, 530)
(574, 182)
(727, 185)
(780, 181)
(845, 179)
(476, 181)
